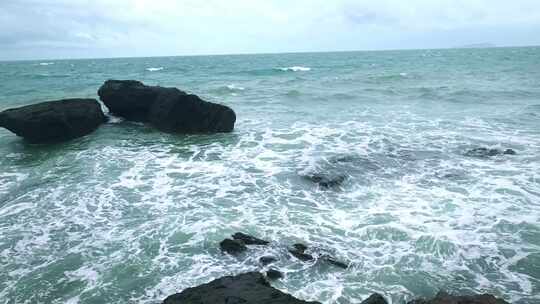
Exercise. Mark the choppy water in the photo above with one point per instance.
(131, 215)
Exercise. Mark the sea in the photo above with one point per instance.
(129, 214)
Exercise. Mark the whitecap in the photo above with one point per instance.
(154, 69)
(233, 87)
(46, 63)
(296, 69)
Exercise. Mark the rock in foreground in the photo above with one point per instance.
(54, 121)
(444, 298)
(168, 109)
(247, 288)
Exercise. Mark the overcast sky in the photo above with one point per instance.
(40, 29)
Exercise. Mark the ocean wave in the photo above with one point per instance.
(295, 69)
(231, 89)
(45, 63)
(154, 69)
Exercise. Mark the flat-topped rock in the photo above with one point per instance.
(54, 121)
(168, 109)
(247, 288)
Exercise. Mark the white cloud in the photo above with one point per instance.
(74, 28)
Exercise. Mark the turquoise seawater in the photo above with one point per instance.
(128, 214)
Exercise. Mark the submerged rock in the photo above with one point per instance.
(168, 109)
(267, 260)
(335, 262)
(444, 298)
(232, 247)
(248, 239)
(54, 121)
(298, 252)
(375, 299)
(326, 180)
(274, 274)
(486, 153)
(247, 288)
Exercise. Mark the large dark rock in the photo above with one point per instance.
(168, 109)
(444, 298)
(375, 299)
(54, 121)
(232, 247)
(247, 288)
(248, 239)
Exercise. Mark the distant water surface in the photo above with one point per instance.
(131, 215)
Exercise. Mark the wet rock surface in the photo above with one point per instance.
(54, 121)
(253, 287)
(247, 288)
(274, 274)
(233, 247)
(267, 260)
(168, 109)
(375, 299)
(298, 251)
(248, 239)
(488, 152)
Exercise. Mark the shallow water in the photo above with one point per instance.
(131, 215)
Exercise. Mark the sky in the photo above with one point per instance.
(41, 29)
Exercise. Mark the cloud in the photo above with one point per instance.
(81, 28)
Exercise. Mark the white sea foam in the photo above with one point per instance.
(154, 69)
(234, 87)
(161, 204)
(296, 69)
(45, 63)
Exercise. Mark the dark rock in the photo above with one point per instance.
(180, 113)
(233, 247)
(326, 181)
(248, 239)
(266, 260)
(274, 274)
(486, 153)
(168, 109)
(54, 121)
(130, 99)
(300, 247)
(247, 288)
(444, 298)
(375, 299)
(509, 152)
(335, 262)
(298, 252)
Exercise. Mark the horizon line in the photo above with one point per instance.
(469, 46)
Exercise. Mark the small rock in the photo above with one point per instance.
(375, 299)
(248, 239)
(233, 247)
(509, 152)
(266, 260)
(326, 181)
(300, 247)
(299, 252)
(336, 263)
(274, 274)
(485, 152)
